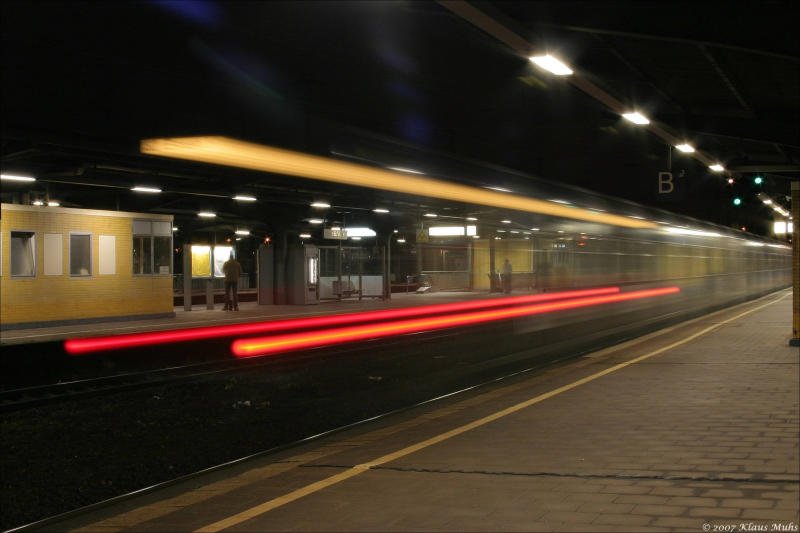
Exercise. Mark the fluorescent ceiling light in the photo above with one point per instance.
(305, 235)
(401, 240)
(685, 148)
(636, 118)
(506, 221)
(406, 170)
(242, 232)
(241, 154)
(534, 229)
(380, 210)
(206, 214)
(321, 205)
(551, 64)
(431, 215)
(53, 203)
(315, 221)
(716, 167)
(146, 189)
(38, 202)
(472, 219)
(446, 231)
(696, 233)
(12, 177)
(244, 198)
(360, 232)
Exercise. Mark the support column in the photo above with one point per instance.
(187, 276)
(210, 293)
(266, 264)
(795, 340)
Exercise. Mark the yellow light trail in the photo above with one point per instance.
(235, 153)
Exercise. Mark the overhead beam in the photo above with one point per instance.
(766, 168)
(725, 79)
(502, 33)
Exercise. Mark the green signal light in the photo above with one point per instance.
(758, 180)
(737, 201)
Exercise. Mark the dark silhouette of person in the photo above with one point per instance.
(232, 270)
(506, 276)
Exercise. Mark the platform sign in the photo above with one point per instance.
(335, 233)
(670, 186)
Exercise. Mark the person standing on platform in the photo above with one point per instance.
(232, 270)
(507, 269)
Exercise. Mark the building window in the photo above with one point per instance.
(80, 254)
(23, 254)
(152, 247)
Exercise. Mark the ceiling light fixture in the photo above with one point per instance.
(153, 190)
(206, 214)
(716, 167)
(321, 205)
(685, 148)
(551, 64)
(244, 198)
(406, 170)
(12, 177)
(380, 210)
(636, 118)
(242, 232)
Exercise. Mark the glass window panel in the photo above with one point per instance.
(142, 227)
(162, 255)
(162, 228)
(23, 253)
(80, 255)
(142, 259)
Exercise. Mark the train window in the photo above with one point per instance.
(80, 254)
(23, 254)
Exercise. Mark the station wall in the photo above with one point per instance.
(62, 265)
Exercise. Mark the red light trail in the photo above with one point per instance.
(310, 339)
(133, 340)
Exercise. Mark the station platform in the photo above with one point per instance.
(692, 428)
(200, 316)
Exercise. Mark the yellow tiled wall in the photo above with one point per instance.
(46, 298)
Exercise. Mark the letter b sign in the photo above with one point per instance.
(665, 184)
